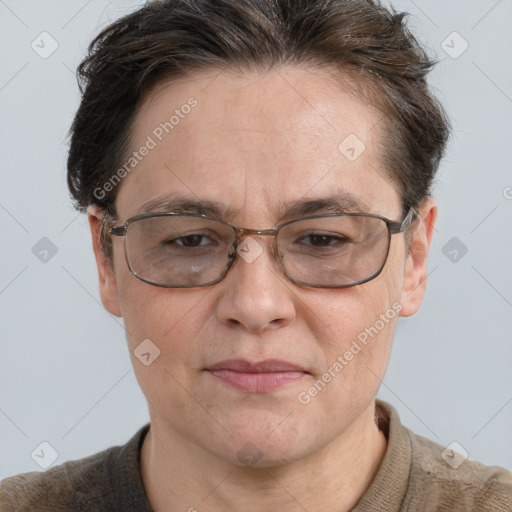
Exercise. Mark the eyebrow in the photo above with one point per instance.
(340, 202)
(182, 204)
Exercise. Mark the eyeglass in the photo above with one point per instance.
(186, 250)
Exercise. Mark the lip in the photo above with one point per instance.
(258, 377)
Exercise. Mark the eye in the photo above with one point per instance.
(190, 241)
(324, 240)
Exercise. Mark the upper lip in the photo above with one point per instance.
(266, 366)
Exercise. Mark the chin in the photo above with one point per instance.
(260, 455)
(264, 443)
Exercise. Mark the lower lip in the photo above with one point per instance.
(257, 382)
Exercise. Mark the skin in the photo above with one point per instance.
(254, 142)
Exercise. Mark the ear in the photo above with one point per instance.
(415, 274)
(108, 287)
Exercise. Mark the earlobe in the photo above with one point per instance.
(107, 283)
(415, 274)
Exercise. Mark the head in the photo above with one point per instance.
(253, 107)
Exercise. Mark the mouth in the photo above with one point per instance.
(259, 377)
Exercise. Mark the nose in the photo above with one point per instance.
(255, 293)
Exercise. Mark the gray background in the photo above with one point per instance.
(65, 374)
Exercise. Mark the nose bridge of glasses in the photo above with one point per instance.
(241, 234)
(244, 232)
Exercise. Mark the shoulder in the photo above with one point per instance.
(454, 482)
(108, 480)
(418, 474)
(66, 487)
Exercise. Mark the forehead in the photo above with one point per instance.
(254, 141)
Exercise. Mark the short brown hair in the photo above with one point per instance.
(166, 39)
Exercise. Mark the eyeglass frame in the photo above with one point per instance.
(240, 233)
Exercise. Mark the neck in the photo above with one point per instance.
(178, 476)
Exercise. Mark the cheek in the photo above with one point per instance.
(360, 332)
(172, 321)
(354, 337)
(354, 330)
(170, 318)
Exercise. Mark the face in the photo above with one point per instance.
(255, 144)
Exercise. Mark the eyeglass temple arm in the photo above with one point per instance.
(117, 230)
(410, 218)
(113, 230)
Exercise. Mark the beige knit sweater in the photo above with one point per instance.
(415, 476)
